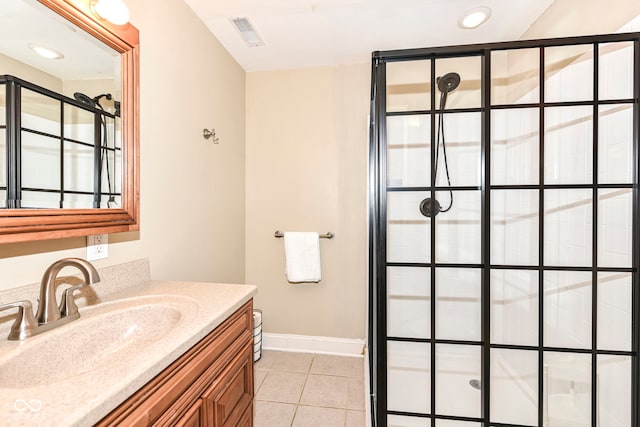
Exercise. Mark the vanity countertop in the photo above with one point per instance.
(66, 396)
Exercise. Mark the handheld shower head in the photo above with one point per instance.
(448, 83)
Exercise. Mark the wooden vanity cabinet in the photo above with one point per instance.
(211, 385)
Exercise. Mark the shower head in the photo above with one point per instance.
(85, 99)
(448, 83)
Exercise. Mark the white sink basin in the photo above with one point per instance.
(127, 328)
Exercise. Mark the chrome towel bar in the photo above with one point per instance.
(328, 235)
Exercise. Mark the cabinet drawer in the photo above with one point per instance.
(231, 394)
(193, 417)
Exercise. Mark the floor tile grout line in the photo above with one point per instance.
(306, 377)
(294, 416)
(349, 379)
(314, 373)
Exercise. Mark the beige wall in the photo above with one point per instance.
(26, 72)
(307, 171)
(192, 192)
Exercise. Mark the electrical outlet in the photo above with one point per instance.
(97, 247)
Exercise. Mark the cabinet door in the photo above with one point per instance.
(193, 417)
(247, 418)
(228, 398)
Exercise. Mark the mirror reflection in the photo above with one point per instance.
(60, 129)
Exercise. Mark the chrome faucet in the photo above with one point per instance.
(49, 314)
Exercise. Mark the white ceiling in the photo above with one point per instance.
(26, 21)
(309, 33)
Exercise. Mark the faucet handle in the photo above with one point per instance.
(24, 323)
(68, 307)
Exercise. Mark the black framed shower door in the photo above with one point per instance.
(519, 306)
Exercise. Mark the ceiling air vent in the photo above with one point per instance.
(248, 33)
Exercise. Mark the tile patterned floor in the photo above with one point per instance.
(308, 390)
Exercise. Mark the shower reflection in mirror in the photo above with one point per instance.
(58, 151)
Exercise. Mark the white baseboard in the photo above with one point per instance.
(312, 344)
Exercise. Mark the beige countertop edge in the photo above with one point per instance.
(87, 399)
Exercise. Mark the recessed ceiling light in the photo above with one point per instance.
(247, 31)
(473, 18)
(46, 52)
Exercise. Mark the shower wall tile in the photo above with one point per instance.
(614, 311)
(463, 132)
(408, 302)
(568, 227)
(34, 104)
(515, 76)
(408, 151)
(514, 387)
(615, 70)
(569, 73)
(514, 227)
(458, 309)
(408, 85)
(615, 144)
(458, 232)
(567, 309)
(408, 167)
(456, 365)
(568, 379)
(408, 243)
(41, 155)
(614, 385)
(409, 377)
(408, 232)
(515, 141)
(514, 307)
(568, 147)
(615, 228)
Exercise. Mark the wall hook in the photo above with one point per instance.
(206, 133)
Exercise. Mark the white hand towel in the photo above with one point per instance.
(302, 253)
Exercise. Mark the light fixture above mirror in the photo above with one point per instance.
(114, 11)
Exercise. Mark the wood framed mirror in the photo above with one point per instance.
(30, 221)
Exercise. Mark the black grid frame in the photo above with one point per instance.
(13, 127)
(379, 189)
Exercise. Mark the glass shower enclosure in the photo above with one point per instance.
(504, 234)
